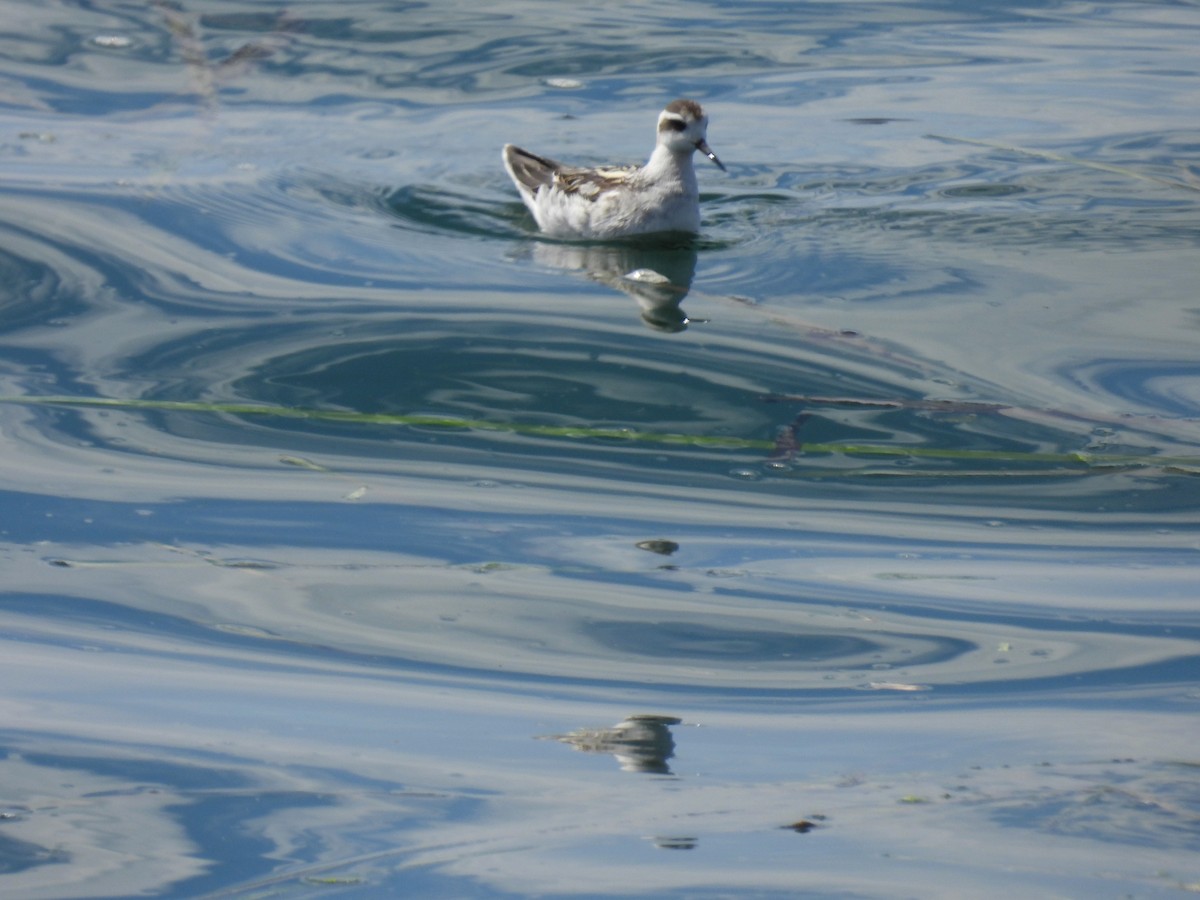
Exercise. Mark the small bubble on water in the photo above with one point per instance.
(745, 474)
(112, 41)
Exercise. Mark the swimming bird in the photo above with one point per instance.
(616, 201)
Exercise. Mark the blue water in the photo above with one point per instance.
(358, 541)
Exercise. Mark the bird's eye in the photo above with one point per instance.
(675, 124)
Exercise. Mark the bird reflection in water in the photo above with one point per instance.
(640, 743)
(657, 276)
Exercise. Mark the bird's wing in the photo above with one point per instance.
(529, 171)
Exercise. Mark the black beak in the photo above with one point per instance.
(703, 147)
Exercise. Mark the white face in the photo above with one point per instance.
(681, 131)
(683, 128)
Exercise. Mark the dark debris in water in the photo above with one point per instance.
(804, 826)
(683, 842)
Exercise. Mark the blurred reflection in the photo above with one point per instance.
(640, 743)
(657, 276)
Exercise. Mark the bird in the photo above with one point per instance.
(617, 201)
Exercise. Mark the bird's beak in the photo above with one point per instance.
(702, 146)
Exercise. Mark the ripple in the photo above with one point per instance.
(811, 649)
(436, 210)
(1167, 386)
(334, 485)
(572, 636)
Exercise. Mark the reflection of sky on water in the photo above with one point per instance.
(260, 651)
(401, 803)
(776, 610)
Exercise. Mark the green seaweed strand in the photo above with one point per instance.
(456, 423)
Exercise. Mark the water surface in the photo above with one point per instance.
(358, 541)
